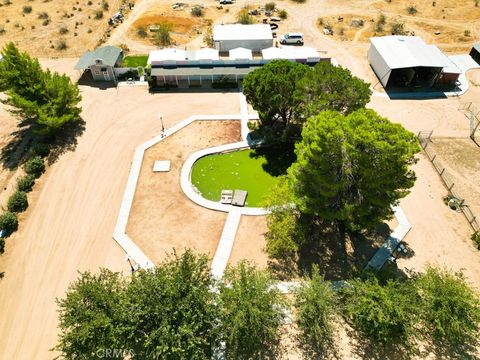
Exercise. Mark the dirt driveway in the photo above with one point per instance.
(70, 222)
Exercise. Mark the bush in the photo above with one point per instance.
(467, 33)
(244, 17)
(412, 10)
(8, 223)
(17, 202)
(384, 314)
(63, 29)
(162, 35)
(316, 306)
(283, 14)
(141, 32)
(98, 14)
(380, 25)
(270, 6)
(43, 15)
(41, 149)
(46, 22)
(476, 239)
(300, 1)
(105, 5)
(89, 3)
(2, 30)
(450, 308)
(197, 11)
(27, 9)
(25, 183)
(61, 45)
(397, 28)
(35, 166)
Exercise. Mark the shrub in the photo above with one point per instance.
(17, 202)
(467, 33)
(283, 14)
(412, 10)
(89, 31)
(61, 45)
(300, 1)
(383, 314)
(7, 2)
(270, 6)
(46, 22)
(244, 17)
(63, 29)
(89, 3)
(105, 5)
(27, 9)
(35, 166)
(41, 149)
(316, 305)
(98, 14)
(25, 183)
(141, 32)
(43, 15)
(476, 239)
(2, 30)
(397, 28)
(162, 35)
(450, 308)
(380, 25)
(8, 223)
(197, 11)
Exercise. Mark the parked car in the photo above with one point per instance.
(292, 38)
(224, 2)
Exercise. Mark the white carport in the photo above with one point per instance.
(158, 57)
(407, 61)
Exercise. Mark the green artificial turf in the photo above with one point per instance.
(239, 170)
(135, 61)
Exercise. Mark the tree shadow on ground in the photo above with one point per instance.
(365, 348)
(24, 141)
(14, 151)
(278, 157)
(338, 256)
(443, 350)
(66, 141)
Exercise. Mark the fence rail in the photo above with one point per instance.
(424, 137)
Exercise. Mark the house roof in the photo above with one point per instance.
(409, 51)
(203, 54)
(291, 53)
(108, 54)
(169, 54)
(242, 32)
(240, 54)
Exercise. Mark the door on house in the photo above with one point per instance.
(106, 75)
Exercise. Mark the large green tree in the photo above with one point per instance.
(329, 87)
(91, 315)
(382, 313)
(47, 100)
(271, 88)
(351, 169)
(171, 311)
(252, 311)
(450, 307)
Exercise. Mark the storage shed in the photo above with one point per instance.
(408, 62)
(475, 53)
(253, 37)
(101, 62)
(240, 54)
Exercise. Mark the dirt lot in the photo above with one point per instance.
(162, 217)
(461, 158)
(50, 22)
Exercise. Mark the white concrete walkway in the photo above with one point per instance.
(224, 248)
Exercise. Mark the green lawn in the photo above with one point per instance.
(250, 170)
(135, 61)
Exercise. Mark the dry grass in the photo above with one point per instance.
(185, 27)
(443, 24)
(33, 33)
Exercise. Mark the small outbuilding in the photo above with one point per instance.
(101, 62)
(407, 62)
(475, 53)
(254, 37)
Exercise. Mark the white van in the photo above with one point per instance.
(292, 38)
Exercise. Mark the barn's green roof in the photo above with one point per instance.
(108, 54)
